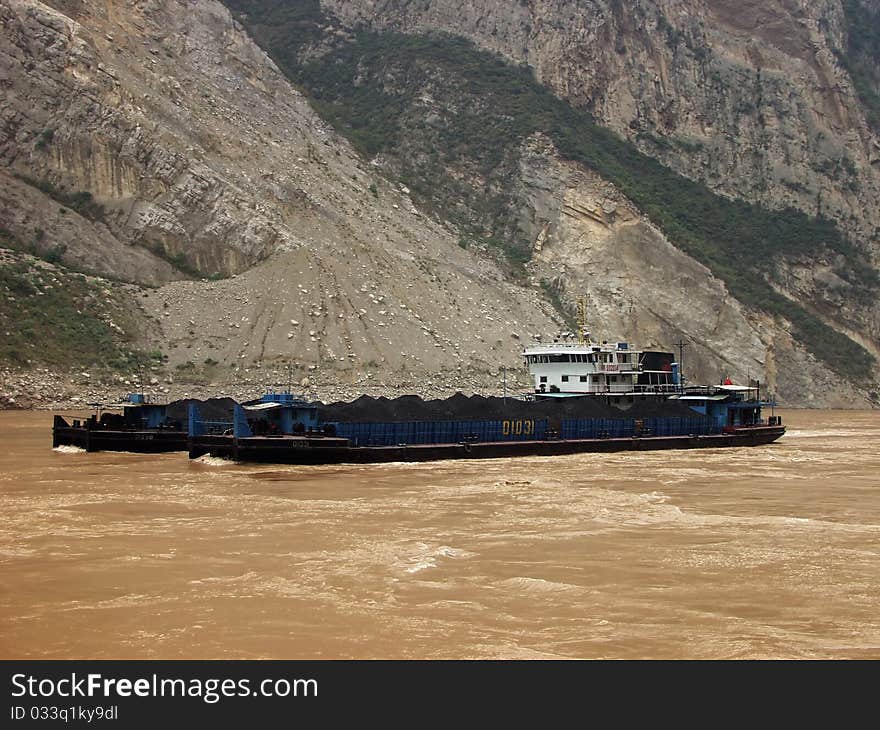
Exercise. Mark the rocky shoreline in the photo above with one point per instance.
(47, 389)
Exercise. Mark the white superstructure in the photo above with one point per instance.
(577, 365)
(583, 368)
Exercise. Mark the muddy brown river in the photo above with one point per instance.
(762, 552)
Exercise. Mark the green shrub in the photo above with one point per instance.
(44, 139)
(81, 201)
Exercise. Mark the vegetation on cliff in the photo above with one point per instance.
(55, 317)
(79, 200)
(862, 56)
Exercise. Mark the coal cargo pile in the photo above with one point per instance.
(213, 409)
(460, 407)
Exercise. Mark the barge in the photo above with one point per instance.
(137, 423)
(327, 449)
(588, 397)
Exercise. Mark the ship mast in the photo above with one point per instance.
(681, 344)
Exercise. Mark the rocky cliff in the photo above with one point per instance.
(753, 98)
(594, 240)
(792, 294)
(156, 142)
(199, 158)
(138, 106)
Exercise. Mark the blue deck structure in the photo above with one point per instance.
(140, 411)
(726, 406)
(274, 414)
(143, 426)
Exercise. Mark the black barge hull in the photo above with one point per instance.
(330, 450)
(147, 441)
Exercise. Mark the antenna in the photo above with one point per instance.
(681, 344)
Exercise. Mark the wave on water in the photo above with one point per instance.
(537, 585)
(427, 557)
(209, 460)
(69, 450)
(843, 432)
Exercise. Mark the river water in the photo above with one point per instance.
(761, 552)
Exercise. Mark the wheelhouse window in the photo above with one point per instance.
(564, 378)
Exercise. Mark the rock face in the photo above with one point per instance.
(194, 144)
(749, 97)
(147, 107)
(639, 287)
(152, 140)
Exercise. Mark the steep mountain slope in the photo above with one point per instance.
(751, 97)
(155, 142)
(136, 106)
(456, 124)
(197, 151)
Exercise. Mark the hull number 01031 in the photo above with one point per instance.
(518, 428)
